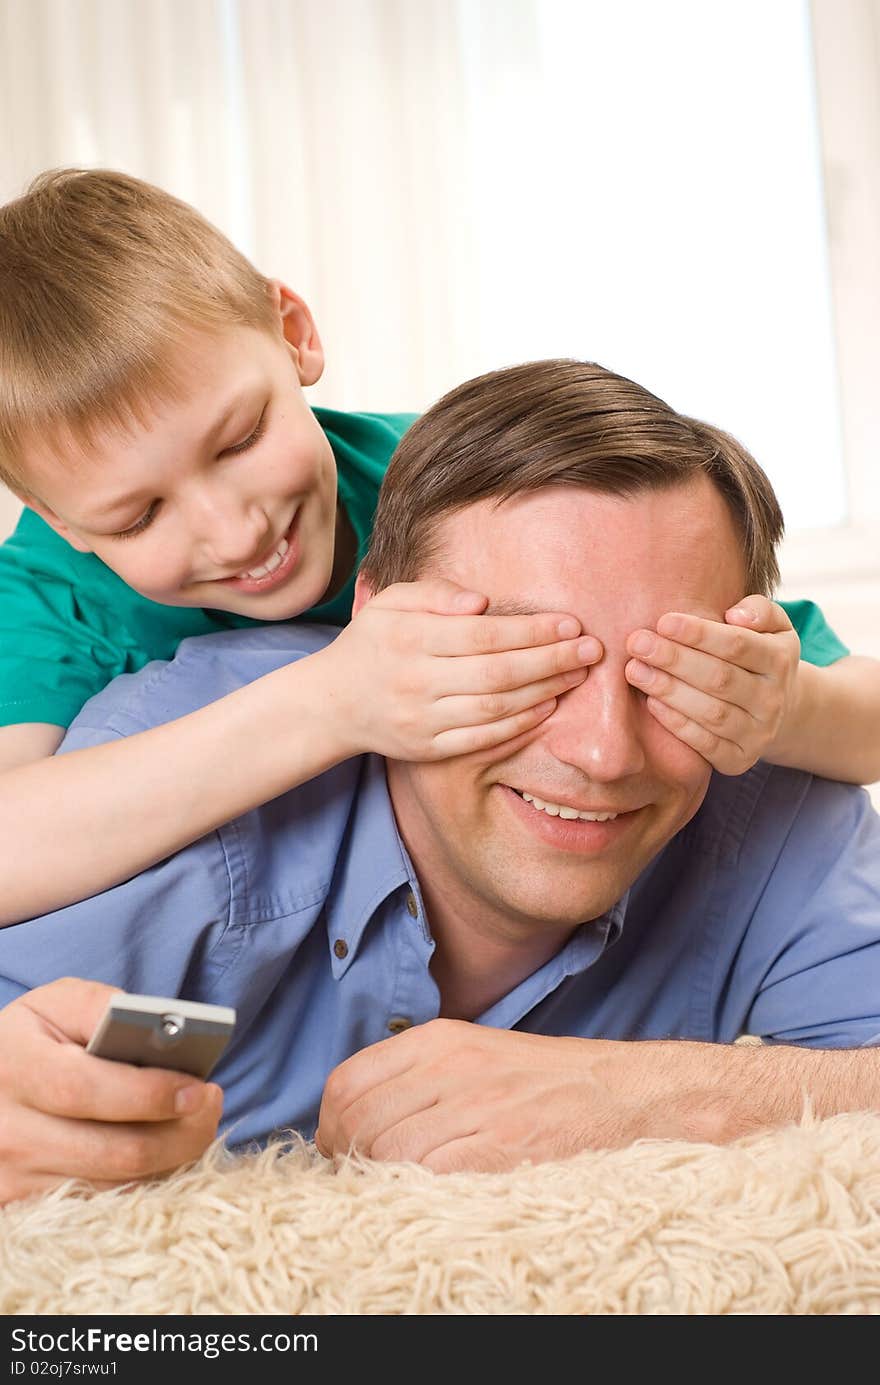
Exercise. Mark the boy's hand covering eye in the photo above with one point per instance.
(724, 689)
(423, 674)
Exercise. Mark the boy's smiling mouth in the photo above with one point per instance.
(275, 567)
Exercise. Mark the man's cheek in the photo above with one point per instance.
(677, 763)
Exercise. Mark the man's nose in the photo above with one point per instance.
(597, 726)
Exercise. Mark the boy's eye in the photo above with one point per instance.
(143, 523)
(250, 440)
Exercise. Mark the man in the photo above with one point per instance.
(610, 913)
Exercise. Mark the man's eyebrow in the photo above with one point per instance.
(121, 502)
(505, 607)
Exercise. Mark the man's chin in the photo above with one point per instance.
(556, 900)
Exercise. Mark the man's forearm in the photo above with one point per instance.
(833, 728)
(453, 1095)
(719, 1092)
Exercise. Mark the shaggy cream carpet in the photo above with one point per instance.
(782, 1223)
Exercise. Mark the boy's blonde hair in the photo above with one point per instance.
(102, 278)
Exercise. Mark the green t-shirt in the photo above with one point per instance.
(68, 625)
(819, 644)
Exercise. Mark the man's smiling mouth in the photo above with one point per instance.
(562, 810)
(584, 831)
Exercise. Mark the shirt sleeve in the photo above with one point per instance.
(142, 936)
(819, 644)
(812, 949)
(51, 660)
(168, 928)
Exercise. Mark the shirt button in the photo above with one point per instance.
(398, 1023)
(411, 905)
(340, 948)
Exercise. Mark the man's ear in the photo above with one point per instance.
(299, 331)
(56, 523)
(363, 593)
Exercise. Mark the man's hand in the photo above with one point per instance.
(452, 1095)
(726, 690)
(66, 1114)
(422, 674)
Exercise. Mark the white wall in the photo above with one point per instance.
(9, 512)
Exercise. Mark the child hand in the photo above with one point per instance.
(723, 689)
(421, 674)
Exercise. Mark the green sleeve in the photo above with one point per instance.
(51, 659)
(819, 644)
(68, 626)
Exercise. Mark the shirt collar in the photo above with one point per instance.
(373, 863)
(370, 865)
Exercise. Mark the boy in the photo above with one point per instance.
(153, 421)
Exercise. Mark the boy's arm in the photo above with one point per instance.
(832, 727)
(400, 680)
(75, 824)
(29, 741)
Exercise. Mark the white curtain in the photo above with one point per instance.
(323, 136)
(456, 184)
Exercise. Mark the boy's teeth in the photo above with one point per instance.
(271, 564)
(558, 810)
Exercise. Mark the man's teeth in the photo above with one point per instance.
(271, 564)
(558, 810)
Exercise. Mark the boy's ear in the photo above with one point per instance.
(56, 523)
(300, 332)
(363, 593)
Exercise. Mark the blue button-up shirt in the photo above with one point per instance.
(762, 915)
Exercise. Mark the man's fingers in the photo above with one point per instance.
(471, 1153)
(46, 1067)
(83, 1087)
(70, 1007)
(369, 1068)
(392, 1120)
(53, 1146)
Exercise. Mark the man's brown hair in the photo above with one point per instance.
(102, 278)
(558, 422)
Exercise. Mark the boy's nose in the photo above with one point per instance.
(234, 532)
(597, 727)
